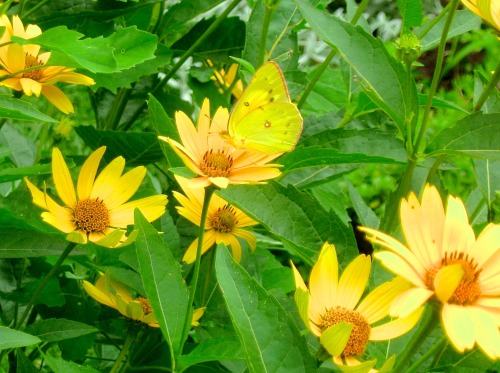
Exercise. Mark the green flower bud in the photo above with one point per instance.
(408, 48)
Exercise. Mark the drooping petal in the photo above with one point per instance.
(57, 98)
(249, 237)
(97, 294)
(62, 179)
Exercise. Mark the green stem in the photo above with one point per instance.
(181, 61)
(47, 278)
(263, 36)
(433, 22)
(131, 334)
(116, 111)
(319, 71)
(36, 7)
(495, 78)
(437, 75)
(409, 118)
(211, 260)
(437, 346)
(435, 167)
(425, 329)
(209, 191)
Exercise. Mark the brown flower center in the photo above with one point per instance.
(91, 215)
(468, 291)
(216, 164)
(360, 333)
(146, 306)
(30, 61)
(223, 220)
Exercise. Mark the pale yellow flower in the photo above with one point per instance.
(115, 295)
(15, 58)
(224, 223)
(212, 158)
(333, 310)
(447, 264)
(489, 10)
(228, 79)
(97, 212)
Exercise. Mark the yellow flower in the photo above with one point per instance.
(39, 80)
(489, 10)
(99, 214)
(227, 80)
(113, 294)
(446, 262)
(212, 158)
(332, 310)
(224, 223)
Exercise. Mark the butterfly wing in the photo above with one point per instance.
(271, 128)
(267, 85)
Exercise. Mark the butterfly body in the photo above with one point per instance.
(264, 119)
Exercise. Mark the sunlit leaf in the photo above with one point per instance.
(10, 338)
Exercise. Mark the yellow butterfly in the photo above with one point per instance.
(264, 118)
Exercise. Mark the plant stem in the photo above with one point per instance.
(131, 334)
(180, 62)
(36, 7)
(437, 346)
(211, 260)
(433, 22)
(426, 327)
(209, 191)
(116, 111)
(47, 278)
(495, 78)
(263, 36)
(319, 71)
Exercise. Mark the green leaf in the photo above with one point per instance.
(62, 366)
(54, 330)
(164, 126)
(471, 136)
(162, 278)
(10, 338)
(365, 214)
(380, 75)
(20, 243)
(17, 173)
(463, 21)
(95, 55)
(213, 349)
(132, 46)
(24, 365)
(269, 337)
(294, 217)
(138, 148)
(411, 12)
(14, 108)
(440, 103)
(23, 153)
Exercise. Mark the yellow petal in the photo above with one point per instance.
(77, 237)
(397, 327)
(400, 266)
(57, 98)
(458, 326)
(108, 179)
(135, 310)
(30, 86)
(111, 239)
(353, 281)
(409, 301)
(197, 314)
(349, 364)
(62, 179)
(190, 254)
(335, 338)
(323, 282)
(249, 237)
(88, 172)
(126, 187)
(151, 207)
(458, 235)
(97, 294)
(486, 332)
(447, 280)
(487, 245)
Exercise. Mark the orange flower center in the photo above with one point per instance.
(91, 215)
(146, 306)
(216, 164)
(360, 333)
(223, 220)
(30, 61)
(468, 291)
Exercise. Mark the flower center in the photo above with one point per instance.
(146, 306)
(468, 291)
(91, 215)
(223, 220)
(216, 164)
(30, 61)
(360, 333)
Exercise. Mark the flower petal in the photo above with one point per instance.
(459, 326)
(353, 282)
(126, 188)
(447, 280)
(87, 173)
(400, 266)
(190, 254)
(151, 207)
(396, 328)
(409, 301)
(57, 98)
(108, 179)
(62, 179)
(458, 235)
(323, 282)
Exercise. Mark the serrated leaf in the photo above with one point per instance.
(213, 349)
(53, 330)
(411, 13)
(20, 243)
(472, 136)
(59, 365)
(132, 46)
(463, 21)
(69, 49)
(294, 217)
(269, 337)
(381, 76)
(14, 108)
(138, 148)
(163, 282)
(11, 338)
